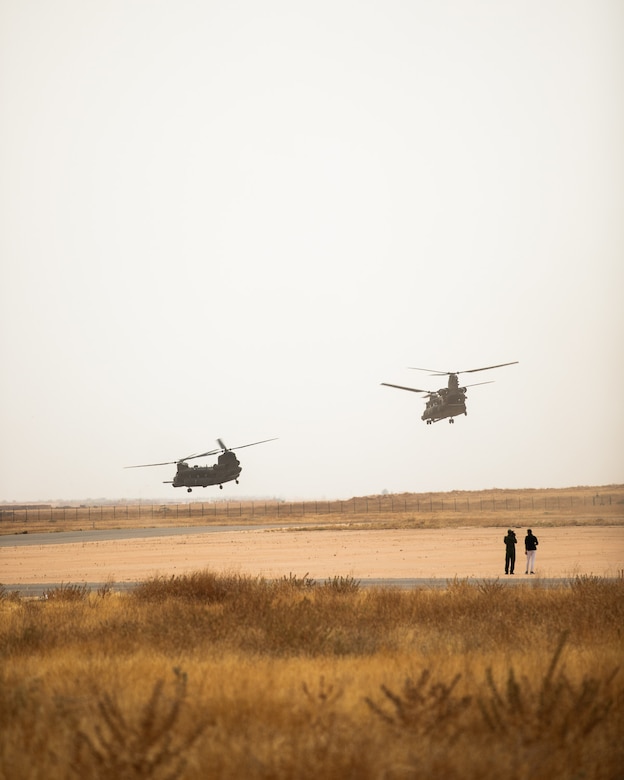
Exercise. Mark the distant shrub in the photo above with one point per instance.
(342, 585)
(8, 595)
(67, 592)
(203, 586)
(298, 583)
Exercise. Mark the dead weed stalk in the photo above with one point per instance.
(149, 747)
(556, 710)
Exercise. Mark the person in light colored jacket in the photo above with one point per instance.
(530, 548)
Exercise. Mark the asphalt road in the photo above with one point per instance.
(116, 534)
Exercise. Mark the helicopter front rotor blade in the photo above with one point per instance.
(467, 371)
(411, 389)
(432, 371)
(474, 384)
(487, 368)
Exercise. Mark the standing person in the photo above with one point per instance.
(530, 547)
(510, 551)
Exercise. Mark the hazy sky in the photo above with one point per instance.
(236, 219)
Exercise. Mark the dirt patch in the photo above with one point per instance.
(362, 554)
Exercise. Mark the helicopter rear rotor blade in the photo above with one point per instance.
(253, 443)
(224, 448)
(200, 455)
(147, 465)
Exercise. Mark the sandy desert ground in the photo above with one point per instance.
(320, 554)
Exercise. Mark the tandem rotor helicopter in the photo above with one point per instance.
(448, 401)
(226, 469)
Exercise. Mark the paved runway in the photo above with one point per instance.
(117, 534)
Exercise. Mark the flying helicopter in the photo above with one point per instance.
(226, 469)
(448, 401)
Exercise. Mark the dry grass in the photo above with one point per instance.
(230, 676)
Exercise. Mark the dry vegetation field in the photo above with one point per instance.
(217, 675)
(221, 676)
(484, 508)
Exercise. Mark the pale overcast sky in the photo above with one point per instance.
(236, 219)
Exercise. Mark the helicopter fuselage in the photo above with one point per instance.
(447, 402)
(442, 411)
(227, 469)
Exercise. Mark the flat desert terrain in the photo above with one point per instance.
(563, 552)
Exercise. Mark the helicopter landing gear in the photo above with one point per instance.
(189, 490)
(236, 481)
(220, 487)
(451, 421)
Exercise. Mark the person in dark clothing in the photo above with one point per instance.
(530, 548)
(510, 551)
